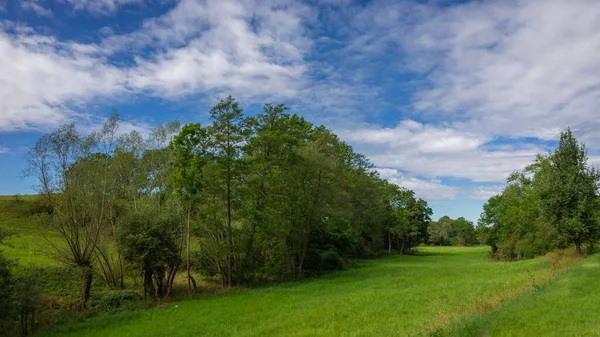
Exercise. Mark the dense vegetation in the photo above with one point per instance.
(552, 203)
(449, 232)
(245, 199)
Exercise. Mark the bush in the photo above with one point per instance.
(120, 299)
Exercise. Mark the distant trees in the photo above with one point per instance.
(552, 203)
(446, 232)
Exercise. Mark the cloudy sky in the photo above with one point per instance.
(445, 97)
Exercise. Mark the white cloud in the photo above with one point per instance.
(253, 50)
(430, 151)
(486, 192)
(100, 7)
(513, 68)
(35, 7)
(43, 81)
(431, 189)
(4, 149)
(248, 49)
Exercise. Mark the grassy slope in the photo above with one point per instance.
(398, 295)
(27, 245)
(567, 306)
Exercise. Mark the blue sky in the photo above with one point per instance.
(446, 97)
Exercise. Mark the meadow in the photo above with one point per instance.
(439, 291)
(431, 293)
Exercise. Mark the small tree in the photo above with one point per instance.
(149, 240)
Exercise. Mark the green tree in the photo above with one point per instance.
(228, 133)
(150, 240)
(189, 158)
(73, 178)
(568, 192)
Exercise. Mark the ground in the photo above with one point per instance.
(433, 293)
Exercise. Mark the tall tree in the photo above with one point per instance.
(568, 192)
(228, 133)
(190, 156)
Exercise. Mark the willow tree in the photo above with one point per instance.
(72, 171)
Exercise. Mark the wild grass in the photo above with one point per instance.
(407, 295)
(566, 305)
(27, 243)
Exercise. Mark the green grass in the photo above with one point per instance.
(397, 295)
(27, 243)
(567, 306)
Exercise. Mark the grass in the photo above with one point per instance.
(27, 243)
(396, 295)
(566, 306)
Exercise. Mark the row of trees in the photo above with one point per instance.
(449, 232)
(244, 198)
(552, 203)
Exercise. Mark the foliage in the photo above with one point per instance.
(150, 240)
(448, 232)
(551, 204)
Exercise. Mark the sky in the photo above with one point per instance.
(446, 98)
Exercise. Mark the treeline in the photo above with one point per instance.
(243, 199)
(552, 203)
(449, 232)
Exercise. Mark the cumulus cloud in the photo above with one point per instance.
(253, 50)
(434, 152)
(44, 80)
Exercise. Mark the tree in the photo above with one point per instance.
(73, 179)
(190, 156)
(228, 133)
(150, 238)
(568, 192)
(441, 231)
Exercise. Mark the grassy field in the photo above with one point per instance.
(566, 306)
(396, 295)
(27, 243)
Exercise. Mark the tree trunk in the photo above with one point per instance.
(245, 261)
(402, 247)
(149, 290)
(121, 276)
(389, 242)
(88, 274)
(188, 252)
(229, 232)
(159, 277)
(578, 248)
